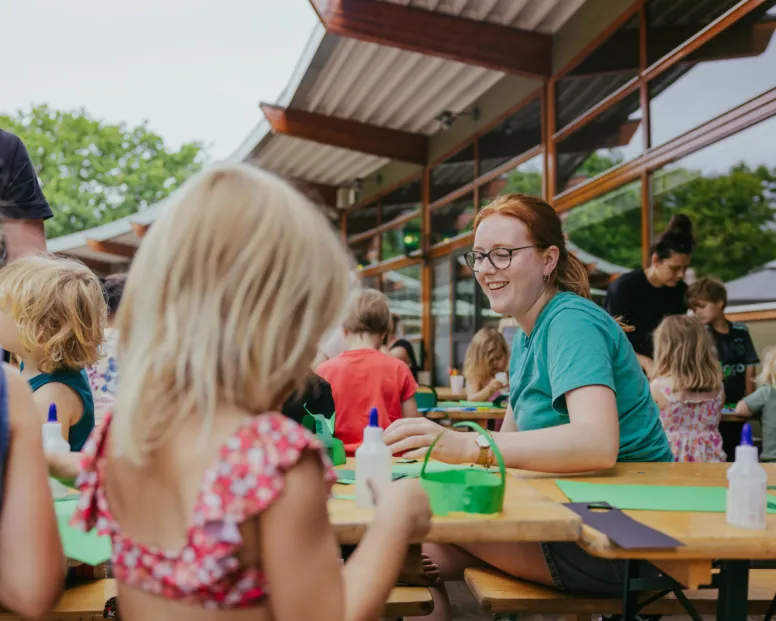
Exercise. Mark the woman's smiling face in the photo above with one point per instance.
(515, 289)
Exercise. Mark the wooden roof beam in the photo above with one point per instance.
(380, 141)
(102, 268)
(111, 247)
(478, 43)
(139, 230)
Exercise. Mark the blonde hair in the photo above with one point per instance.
(368, 313)
(225, 304)
(487, 349)
(685, 353)
(59, 310)
(767, 374)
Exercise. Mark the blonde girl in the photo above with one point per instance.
(687, 387)
(216, 502)
(762, 404)
(52, 315)
(486, 356)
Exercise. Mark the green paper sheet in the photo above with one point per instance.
(86, 548)
(652, 497)
(344, 496)
(401, 470)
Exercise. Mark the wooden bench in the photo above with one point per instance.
(86, 602)
(498, 593)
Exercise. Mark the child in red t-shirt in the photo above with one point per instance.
(364, 377)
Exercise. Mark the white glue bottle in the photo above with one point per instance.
(747, 493)
(373, 461)
(53, 442)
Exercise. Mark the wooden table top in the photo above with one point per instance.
(528, 516)
(705, 535)
(445, 393)
(475, 415)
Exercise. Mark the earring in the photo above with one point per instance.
(546, 279)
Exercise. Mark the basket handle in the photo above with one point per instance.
(494, 447)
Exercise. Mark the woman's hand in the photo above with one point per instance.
(415, 435)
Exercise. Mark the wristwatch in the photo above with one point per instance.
(484, 458)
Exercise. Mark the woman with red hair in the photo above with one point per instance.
(578, 399)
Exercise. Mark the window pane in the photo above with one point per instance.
(526, 178)
(402, 288)
(605, 233)
(614, 63)
(728, 190)
(452, 219)
(613, 137)
(440, 319)
(672, 22)
(402, 240)
(466, 309)
(362, 219)
(401, 201)
(515, 135)
(366, 252)
(738, 64)
(372, 282)
(453, 173)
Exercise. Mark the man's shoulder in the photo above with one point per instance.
(628, 280)
(739, 327)
(9, 145)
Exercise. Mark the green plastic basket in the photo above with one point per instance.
(323, 429)
(468, 491)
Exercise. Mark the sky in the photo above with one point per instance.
(195, 69)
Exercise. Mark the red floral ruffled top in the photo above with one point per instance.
(246, 479)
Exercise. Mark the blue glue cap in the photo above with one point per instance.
(52, 413)
(746, 435)
(373, 419)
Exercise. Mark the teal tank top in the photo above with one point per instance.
(78, 382)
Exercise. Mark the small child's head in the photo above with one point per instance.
(368, 315)
(707, 298)
(113, 287)
(684, 352)
(767, 374)
(51, 309)
(225, 304)
(486, 355)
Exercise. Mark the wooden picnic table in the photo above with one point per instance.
(707, 536)
(528, 516)
(445, 393)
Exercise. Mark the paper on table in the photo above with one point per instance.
(86, 548)
(652, 497)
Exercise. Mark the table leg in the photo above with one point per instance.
(630, 597)
(733, 598)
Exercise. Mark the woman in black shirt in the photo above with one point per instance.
(401, 348)
(642, 298)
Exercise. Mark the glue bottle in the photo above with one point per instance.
(747, 492)
(373, 461)
(53, 442)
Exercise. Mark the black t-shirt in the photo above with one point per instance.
(642, 306)
(20, 195)
(736, 352)
(317, 396)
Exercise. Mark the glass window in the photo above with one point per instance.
(366, 251)
(453, 173)
(467, 307)
(605, 233)
(403, 290)
(614, 63)
(401, 201)
(614, 136)
(452, 219)
(671, 22)
(515, 135)
(363, 219)
(525, 178)
(371, 282)
(729, 191)
(402, 240)
(440, 319)
(738, 64)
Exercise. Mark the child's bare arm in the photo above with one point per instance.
(32, 565)
(409, 408)
(743, 409)
(64, 466)
(301, 557)
(70, 408)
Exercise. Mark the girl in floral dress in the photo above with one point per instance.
(215, 502)
(687, 387)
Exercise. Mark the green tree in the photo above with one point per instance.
(94, 172)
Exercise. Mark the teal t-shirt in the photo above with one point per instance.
(575, 343)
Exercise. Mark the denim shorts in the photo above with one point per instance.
(575, 571)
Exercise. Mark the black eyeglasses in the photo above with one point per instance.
(500, 258)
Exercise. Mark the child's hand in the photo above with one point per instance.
(406, 502)
(495, 385)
